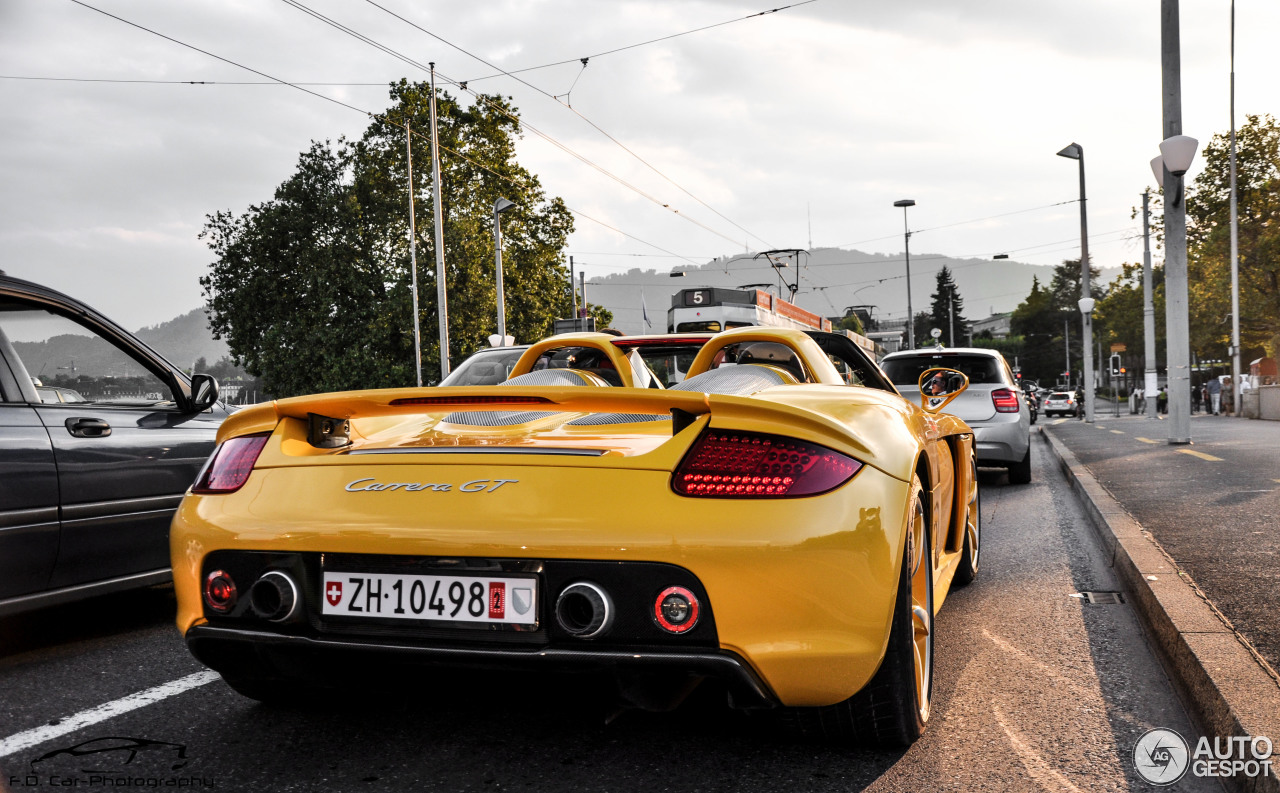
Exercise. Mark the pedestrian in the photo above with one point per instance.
(1228, 397)
(1141, 394)
(1214, 387)
(1195, 400)
(1162, 400)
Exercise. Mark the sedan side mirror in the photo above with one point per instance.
(204, 392)
(939, 386)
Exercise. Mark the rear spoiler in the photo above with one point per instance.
(685, 406)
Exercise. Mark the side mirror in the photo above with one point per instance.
(939, 386)
(204, 392)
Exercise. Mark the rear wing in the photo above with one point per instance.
(686, 407)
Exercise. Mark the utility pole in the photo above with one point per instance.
(413, 258)
(1177, 325)
(1066, 336)
(1236, 371)
(573, 288)
(442, 299)
(951, 319)
(1149, 379)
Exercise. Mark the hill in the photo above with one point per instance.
(831, 279)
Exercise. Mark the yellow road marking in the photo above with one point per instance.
(1277, 481)
(1117, 432)
(1201, 455)
(1146, 440)
(1059, 421)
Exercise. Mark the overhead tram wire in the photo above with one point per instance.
(960, 223)
(640, 44)
(595, 126)
(272, 83)
(519, 121)
(375, 116)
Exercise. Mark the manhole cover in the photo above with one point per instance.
(1103, 598)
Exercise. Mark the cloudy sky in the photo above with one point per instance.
(831, 109)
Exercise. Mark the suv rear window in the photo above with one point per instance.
(906, 371)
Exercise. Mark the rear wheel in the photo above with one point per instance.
(1020, 472)
(968, 569)
(891, 710)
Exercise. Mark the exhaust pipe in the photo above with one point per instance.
(274, 597)
(584, 610)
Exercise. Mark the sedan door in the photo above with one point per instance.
(124, 456)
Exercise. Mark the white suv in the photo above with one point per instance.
(993, 405)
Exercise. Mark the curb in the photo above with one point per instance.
(1228, 687)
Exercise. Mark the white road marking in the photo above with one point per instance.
(1037, 767)
(86, 718)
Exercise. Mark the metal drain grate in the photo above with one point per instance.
(1104, 598)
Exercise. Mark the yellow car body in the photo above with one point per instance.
(800, 591)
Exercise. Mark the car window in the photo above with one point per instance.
(980, 369)
(70, 362)
(484, 368)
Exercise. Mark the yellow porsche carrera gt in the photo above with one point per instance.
(759, 506)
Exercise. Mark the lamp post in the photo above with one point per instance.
(500, 206)
(1148, 312)
(1176, 154)
(1076, 152)
(906, 241)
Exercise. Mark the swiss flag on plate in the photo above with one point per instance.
(333, 592)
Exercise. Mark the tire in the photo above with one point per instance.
(890, 712)
(1020, 473)
(968, 569)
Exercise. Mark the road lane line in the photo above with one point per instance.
(1037, 767)
(1117, 432)
(86, 718)
(1201, 455)
(1145, 440)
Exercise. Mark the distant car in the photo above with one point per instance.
(1061, 403)
(99, 438)
(489, 366)
(993, 405)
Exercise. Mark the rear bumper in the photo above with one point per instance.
(260, 654)
(1002, 441)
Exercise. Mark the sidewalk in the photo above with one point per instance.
(1194, 534)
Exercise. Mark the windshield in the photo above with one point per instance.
(979, 369)
(487, 367)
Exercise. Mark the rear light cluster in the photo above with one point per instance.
(744, 464)
(231, 464)
(1005, 400)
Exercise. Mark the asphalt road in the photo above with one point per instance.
(1034, 690)
(1212, 505)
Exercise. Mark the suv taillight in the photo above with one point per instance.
(1005, 400)
(229, 467)
(729, 464)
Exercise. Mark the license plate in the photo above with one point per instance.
(451, 598)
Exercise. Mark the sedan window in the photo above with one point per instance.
(906, 371)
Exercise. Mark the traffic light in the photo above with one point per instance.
(1115, 365)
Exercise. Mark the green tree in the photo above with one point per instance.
(311, 289)
(946, 312)
(851, 322)
(1209, 241)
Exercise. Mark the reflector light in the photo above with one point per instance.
(675, 610)
(1005, 400)
(473, 400)
(219, 592)
(752, 465)
(231, 464)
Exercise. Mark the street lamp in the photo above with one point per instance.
(500, 206)
(906, 241)
(1076, 152)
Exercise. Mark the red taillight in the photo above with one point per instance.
(219, 591)
(751, 465)
(459, 401)
(675, 610)
(1005, 400)
(231, 464)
